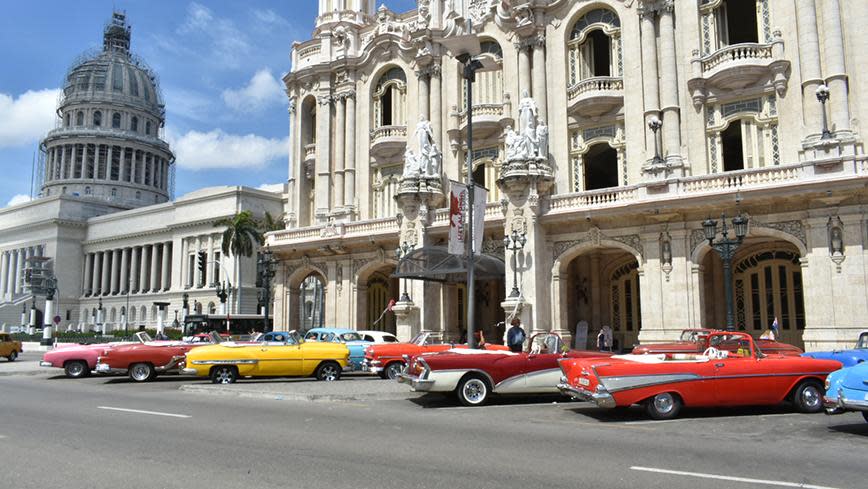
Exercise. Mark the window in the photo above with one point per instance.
(488, 87)
(148, 128)
(114, 192)
(138, 194)
(87, 191)
(134, 83)
(738, 22)
(389, 98)
(116, 120)
(594, 48)
(67, 119)
(601, 167)
(134, 124)
(117, 78)
(97, 118)
(79, 118)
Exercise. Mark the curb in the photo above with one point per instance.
(291, 396)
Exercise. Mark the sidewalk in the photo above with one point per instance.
(354, 387)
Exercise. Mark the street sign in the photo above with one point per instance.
(56, 319)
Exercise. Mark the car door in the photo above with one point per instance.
(741, 378)
(509, 372)
(542, 372)
(279, 359)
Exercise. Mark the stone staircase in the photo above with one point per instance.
(10, 309)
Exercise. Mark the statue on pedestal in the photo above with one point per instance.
(542, 140)
(527, 113)
(411, 165)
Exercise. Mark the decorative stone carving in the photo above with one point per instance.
(793, 228)
(836, 242)
(697, 236)
(332, 229)
(494, 247)
(479, 11)
(358, 264)
(666, 254)
(595, 236)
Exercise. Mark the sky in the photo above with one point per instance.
(220, 65)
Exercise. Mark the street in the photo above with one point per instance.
(107, 432)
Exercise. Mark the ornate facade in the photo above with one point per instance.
(659, 114)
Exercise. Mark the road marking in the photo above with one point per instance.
(155, 413)
(705, 418)
(730, 478)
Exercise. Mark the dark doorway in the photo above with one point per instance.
(733, 150)
(600, 45)
(601, 167)
(387, 107)
(741, 24)
(479, 175)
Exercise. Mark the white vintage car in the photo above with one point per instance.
(378, 336)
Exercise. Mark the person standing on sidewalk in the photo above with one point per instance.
(515, 336)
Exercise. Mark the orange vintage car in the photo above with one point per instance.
(387, 360)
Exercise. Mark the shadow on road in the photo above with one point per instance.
(637, 413)
(859, 429)
(436, 400)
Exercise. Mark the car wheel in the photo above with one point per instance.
(328, 372)
(393, 369)
(663, 406)
(142, 372)
(808, 397)
(76, 369)
(473, 391)
(224, 374)
(383, 375)
(12, 356)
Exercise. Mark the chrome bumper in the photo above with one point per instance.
(43, 363)
(371, 366)
(418, 384)
(602, 399)
(104, 368)
(838, 405)
(188, 371)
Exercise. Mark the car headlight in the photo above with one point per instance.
(828, 383)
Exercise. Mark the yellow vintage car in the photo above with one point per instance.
(288, 356)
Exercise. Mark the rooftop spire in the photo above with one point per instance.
(116, 36)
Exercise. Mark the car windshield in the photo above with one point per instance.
(390, 339)
(419, 339)
(351, 337)
(688, 335)
(863, 341)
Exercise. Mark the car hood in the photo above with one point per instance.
(393, 349)
(847, 357)
(856, 377)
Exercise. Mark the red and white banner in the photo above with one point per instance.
(458, 217)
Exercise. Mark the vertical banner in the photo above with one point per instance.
(480, 196)
(457, 204)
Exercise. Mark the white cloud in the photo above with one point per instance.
(260, 92)
(217, 149)
(26, 119)
(269, 17)
(271, 187)
(18, 199)
(229, 45)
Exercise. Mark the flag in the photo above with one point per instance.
(775, 325)
(458, 217)
(480, 195)
(388, 308)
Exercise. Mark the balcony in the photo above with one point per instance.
(306, 54)
(739, 66)
(310, 152)
(488, 120)
(596, 96)
(388, 140)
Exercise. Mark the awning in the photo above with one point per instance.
(436, 264)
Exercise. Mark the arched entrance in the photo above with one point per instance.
(311, 302)
(379, 290)
(767, 284)
(600, 286)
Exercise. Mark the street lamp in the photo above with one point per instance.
(725, 247)
(266, 270)
(515, 242)
(654, 123)
(823, 97)
(99, 317)
(401, 252)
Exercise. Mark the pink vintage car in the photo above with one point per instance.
(76, 360)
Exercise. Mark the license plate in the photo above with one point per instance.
(584, 381)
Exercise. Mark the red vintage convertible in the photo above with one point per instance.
(474, 375)
(387, 359)
(144, 360)
(693, 341)
(729, 372)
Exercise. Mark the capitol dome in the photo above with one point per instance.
(108, 144)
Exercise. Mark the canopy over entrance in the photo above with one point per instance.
(436, 264)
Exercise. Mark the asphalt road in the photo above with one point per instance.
(60, 433)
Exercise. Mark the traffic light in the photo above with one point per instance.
(203, 262)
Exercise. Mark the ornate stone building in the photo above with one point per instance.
(659, 115)
(104, 215)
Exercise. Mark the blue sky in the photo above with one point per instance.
(219, 64)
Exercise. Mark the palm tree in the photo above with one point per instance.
(241, 238)
(269, 223)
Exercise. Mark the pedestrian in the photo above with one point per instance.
(515, 336)
(604, 339)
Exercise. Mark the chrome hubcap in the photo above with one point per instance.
(224, 376)
(329, 373)
(140, 372)
(394, 370)
(474, 391)
(663, 403)
(811, 396)
(75, 368)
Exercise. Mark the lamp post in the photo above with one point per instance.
(823, 97)
(185, 311)
(401, 252)
(99, 317)
(515, 242)
(266, 270)
(654, 123)
(725, 247)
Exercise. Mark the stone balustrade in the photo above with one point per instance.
(737, 52)
(594, 85)
(387, 132)
(310, 151)
(482, 110)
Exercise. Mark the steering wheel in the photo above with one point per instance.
(712, 352)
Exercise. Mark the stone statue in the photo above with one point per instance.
(411, 165)
(516, 145)
(424, 135)
(542, 140)
(527, 113)
(432, 167)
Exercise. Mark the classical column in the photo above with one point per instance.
(116, 271)
(350, 149)
(95, 276)
(436, 103)
(340, 134)
(167, 256)
(88, 270)
(4, 274)
(63, 162)
(809, 62)
(154, 280)
(539, 75)
(596, 293)
(125, 272)
(19, 264)
(669, 85)
(134, 269)
(836, 71)
(424, 92)
(108, 163)
(649, 72)
(523, 67)
(104, 283)
(323, 155)
(143, 270)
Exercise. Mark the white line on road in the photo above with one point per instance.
(730, 478)
(155, 413)
(681, 420)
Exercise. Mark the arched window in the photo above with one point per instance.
(601, 167)
(385, 187)
(743, 135)
(311, 302)
(138, 194)
(116, 120)
(67, 119)
(486, 169)
(134, 83)
(114, 192)
(79, 118)
(488, 87)
(97, 118)
(134, 124)
(594, 48)
(148, 128)
(143, 317)
(390, 99)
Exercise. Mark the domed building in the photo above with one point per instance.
(109, 144)
(105, 218)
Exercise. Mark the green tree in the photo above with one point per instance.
(269, 223)
(240, 238)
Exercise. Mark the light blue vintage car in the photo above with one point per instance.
(349, 337)
(848, 358)
(847, 390)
